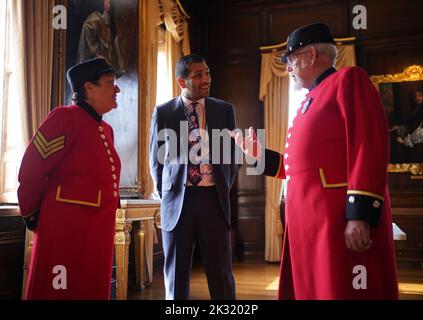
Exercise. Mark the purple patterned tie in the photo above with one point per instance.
(194, 173)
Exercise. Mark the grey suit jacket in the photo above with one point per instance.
(168, 164)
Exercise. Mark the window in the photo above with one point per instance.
(12, 143)
(164, 91)
(295, 99)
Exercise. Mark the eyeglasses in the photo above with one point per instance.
(289, 58)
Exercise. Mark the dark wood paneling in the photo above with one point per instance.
(399, 183)
(410, 251)
(251, 232)
(227, 33)
(393, 39)
(244, 96)
(12, 242)
(227, 85)
(390, 58)
(250, 223)
(288, 18)
(392, 18)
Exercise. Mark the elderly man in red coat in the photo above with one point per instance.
(338, 241)
(69, 191)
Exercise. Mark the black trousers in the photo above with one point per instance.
(201, 220)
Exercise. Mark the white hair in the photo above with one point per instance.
(327, 49)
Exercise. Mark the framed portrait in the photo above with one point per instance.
(402, 98)
(110, 29)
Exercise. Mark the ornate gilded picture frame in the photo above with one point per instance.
(402, 98)
(114, 30)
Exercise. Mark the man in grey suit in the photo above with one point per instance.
(193, 171)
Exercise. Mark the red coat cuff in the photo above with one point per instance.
(363, 205)
(31, 219)
(273, 164)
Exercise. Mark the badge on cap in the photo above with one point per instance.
(306, 105)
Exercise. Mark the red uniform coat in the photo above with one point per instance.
(335, 162)
(70, 174)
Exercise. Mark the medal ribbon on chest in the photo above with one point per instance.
(306, 105)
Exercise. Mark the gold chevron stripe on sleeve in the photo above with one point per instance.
(51, 142)
(51, 146)
(46, 148)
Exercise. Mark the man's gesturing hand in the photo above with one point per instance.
(249, 145)
(357, 236)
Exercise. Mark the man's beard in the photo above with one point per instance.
(298, 86)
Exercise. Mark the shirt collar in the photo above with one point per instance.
(187, 101)
(322, 77)
(84, 105)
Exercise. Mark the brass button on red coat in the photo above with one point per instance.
(111, 160)
(106, 144)
(100, 129)
(103, 137)
(113, 168)
(109, 152)
(115, 185)
(114, 177)
(376, 204)
(115, 194)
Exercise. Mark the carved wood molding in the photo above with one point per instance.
(413, 168)
(411, 73)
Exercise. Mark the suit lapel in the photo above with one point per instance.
(178, 109)
(177, 116)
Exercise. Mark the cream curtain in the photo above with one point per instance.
(176, 38)
(274, 89)
(39, 60)
(149, 40)
(274, 92)
(151, 17)
(13, 125)
(154, 13)
(3, 78)
(176, 43)
(173, 54)
(346, 55)
(37, 51)
(18, 55)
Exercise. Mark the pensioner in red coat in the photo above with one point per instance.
(335, 162)
(70, 175)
